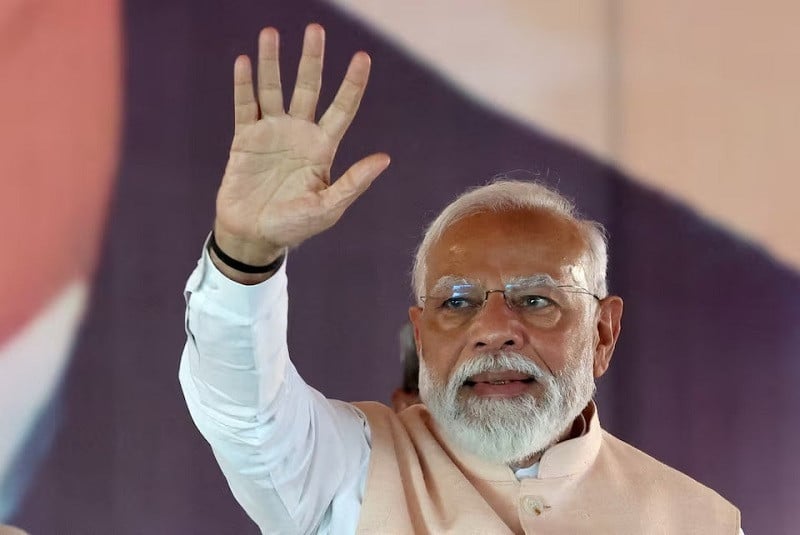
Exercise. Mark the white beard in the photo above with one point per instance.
(509, 430)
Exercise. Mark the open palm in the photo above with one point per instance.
(277, 190)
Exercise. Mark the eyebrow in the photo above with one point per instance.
(449, 281)
(540, 279)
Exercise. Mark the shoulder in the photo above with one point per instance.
(410, 425)
(412, 416)
(651, 476)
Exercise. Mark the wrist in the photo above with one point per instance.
(239, 265)
(244, 250)
(239, 271)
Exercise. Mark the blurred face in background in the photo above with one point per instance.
(60, 103)
(58, 146)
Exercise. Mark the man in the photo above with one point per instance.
(407, 394)
(513, 324)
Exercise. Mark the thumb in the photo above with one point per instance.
(354, 182)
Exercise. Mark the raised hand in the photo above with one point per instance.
(277, 189)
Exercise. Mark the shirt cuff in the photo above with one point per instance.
(241, 300)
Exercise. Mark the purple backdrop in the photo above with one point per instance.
(704, 377)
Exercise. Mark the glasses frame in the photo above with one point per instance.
(574, 288)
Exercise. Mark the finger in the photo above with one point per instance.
(344, 107)
(354, 182)
(270, 95)
(244, 102)
(309, 74)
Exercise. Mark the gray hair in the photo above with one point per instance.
(502, 195)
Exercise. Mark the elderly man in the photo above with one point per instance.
(513, 324)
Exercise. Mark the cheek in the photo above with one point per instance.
(440, 352)
(559, 347)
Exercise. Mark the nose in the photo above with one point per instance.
(496, 326)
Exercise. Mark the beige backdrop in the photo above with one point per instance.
(698, 99)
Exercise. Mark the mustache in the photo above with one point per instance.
(496, 362)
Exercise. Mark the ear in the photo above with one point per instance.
(608, 327)
(415, 316)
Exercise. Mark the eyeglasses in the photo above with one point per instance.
(535, 301)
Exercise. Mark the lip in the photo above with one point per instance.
(501, 389)
(501, 375)
(500, 384)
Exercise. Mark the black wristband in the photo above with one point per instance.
(241, 266)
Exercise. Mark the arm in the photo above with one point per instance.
(265, 425)
(289, 454)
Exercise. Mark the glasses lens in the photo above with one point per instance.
(535, 299)
(461, 298)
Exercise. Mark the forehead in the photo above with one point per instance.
(496, 246)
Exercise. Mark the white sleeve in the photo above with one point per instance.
(288, 453)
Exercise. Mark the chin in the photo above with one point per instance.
(515, 425)
(503, 429)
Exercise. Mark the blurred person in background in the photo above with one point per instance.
(60, 104)
(408, 393)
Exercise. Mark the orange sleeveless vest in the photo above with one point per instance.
(594, 484)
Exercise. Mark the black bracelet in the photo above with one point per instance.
(241, 266)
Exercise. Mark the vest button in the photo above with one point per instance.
(534, 505)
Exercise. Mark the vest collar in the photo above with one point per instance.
(574, 455)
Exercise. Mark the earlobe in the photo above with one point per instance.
(608, 329)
